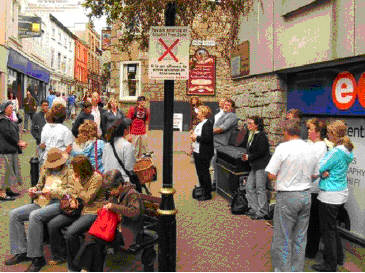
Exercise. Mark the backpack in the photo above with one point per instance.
(239, 204)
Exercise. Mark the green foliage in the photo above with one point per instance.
(134, 18)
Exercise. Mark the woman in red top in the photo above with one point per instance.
(140, 117)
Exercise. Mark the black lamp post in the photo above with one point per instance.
(167, 211)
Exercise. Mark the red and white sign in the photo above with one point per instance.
(169, 53)
(344, 90)
(202, 76)
(361, 90)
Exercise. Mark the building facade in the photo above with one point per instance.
(309, 55)
(87, 33)
(81, 71)
(26, 64)
(62, 56)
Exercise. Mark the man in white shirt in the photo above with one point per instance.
(221, 111)
(292, 166)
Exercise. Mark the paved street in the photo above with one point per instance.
(209, 238)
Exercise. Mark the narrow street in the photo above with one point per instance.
(209, 237)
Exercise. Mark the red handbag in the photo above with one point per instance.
(105, 225)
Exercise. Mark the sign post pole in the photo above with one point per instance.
(167, 211)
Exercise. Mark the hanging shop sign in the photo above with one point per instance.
(106, 38)
(29, 26)
(20, 63)
(240, 61)
(202, 74)
(168, 53)
(332, 91)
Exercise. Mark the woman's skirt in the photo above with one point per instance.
(9, 170)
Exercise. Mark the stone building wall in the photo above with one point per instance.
(265, 96)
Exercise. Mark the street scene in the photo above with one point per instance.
(182, 136)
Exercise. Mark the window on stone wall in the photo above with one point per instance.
(130, 81)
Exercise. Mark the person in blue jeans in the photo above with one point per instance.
(292, 166)
(55, 181)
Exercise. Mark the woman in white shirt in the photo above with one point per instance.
(55, 134)
(203, 150)
(316, 134)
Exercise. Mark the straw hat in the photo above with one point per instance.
(55, 158)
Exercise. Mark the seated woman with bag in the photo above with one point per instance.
(123, 206)
(87, 184)
(87, 144)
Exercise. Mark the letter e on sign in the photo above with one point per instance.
(361, 90)
(344, 90)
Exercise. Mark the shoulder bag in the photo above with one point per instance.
(131, 174)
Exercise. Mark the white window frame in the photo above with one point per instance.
(122, 93)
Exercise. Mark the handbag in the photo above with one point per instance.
(198, 192)
(65, 206)
(131, 174)
(105, 225)
(239, 204)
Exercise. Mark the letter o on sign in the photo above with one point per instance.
(344, 90)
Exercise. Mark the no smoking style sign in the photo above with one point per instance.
(169, 53)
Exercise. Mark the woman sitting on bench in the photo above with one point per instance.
(124, 200)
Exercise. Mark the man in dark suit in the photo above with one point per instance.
(38, 122)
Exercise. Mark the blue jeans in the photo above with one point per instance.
(256, 192)
(37, 216)
(291, 218)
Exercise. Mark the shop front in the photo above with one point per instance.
(338, 92)
(24, 75)
(3, 70)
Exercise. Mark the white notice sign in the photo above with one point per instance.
(169, 53)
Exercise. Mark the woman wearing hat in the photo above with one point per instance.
(123, 199)
(10, 146)
(87, 185)
(56, 180)
(87, 144)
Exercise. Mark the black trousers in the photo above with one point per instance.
(202, 169)
(333, 250)
(314, 233)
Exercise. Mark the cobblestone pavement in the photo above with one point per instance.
(209, 238)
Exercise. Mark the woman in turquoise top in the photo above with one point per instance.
(333, 193)
(86, 143)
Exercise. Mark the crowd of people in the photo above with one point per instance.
(82, 166)
(309, 169)
(90, 163)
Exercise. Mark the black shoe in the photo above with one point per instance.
(323, 268)
(340, 262)
(36, 265)
(6, 198)
(205, 197)
(259, 217)
(10, 193)
(251, 213)
(17, 258)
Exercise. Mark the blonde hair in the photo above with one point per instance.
(110, 103)
(204, 110)
(339, 129)
(88, 130)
